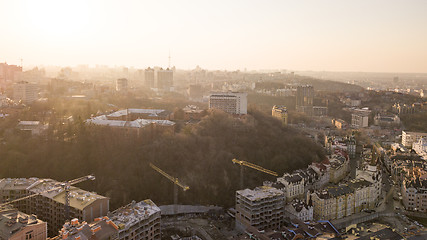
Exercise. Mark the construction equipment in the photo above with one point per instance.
(253, 166)
(175, 182)
(63, 185)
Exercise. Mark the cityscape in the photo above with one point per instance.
(190, 136)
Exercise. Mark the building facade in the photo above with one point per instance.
(281, 113)
(25, 92)
(229, 102)
(408, 138)
(304, 99)
(149, 77)
(16, 225)
(165, 79)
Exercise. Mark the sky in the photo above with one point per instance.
(318, 35)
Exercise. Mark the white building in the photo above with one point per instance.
(420, 147)
(25, 92)
(408, 138)
(359, 118)
(294, 185)
(229, 102)
(300, 210)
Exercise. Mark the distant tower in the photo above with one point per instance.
(304, 99)
(121, 85)
(149, 77)
(165, 79)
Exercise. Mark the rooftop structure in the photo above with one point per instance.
(16, 225)
(137, 220)
(84, 205)
(101, 229)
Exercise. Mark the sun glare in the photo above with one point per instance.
(58, 19)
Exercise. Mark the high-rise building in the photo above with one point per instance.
(304, 99)
(165, 79)
(229, 102)
(360, 118)
(49, 205)
(262, 208)
(25, 92)
(281, 113)
(121, 84)
(10, 72)
(149, 77)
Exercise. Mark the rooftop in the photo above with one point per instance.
(261, 192)
(12, 221)
(133, 213)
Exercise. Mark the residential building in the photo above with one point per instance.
(149, 77)
(320, 111)
(25, 92)
(414, 194)
(101, 229)
(371, 174)
(300, 210)
(408, 138)
(281, 113)
(165, 79)
(32, 128)
(16, 225)
(229, 102)
(420, 147)
(49, 205)
(121, 85)
(339, 123)
(360, 118)
(137, 221)
(386, 120)
(304, 99)
(294, 185)
(332, 203)
(339, 167)
(10, 72)
(261, 208)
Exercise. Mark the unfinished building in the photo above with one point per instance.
(261, 208)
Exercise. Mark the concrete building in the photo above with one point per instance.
(304, 99)
(149, 77)
(49, 206)
(320, 111)
(137, 221)
(408, 138)
(360, 118)
(229, 102)
(25, 92)
(121, 85)
(261, 208)
(132, 114)
(16, 225)
(281, 113)
(386, 120)
(10, 72)
(165, 79)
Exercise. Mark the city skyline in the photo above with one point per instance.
(375, 36)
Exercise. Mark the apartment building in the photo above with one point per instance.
(408, 138)
(137, 221)
(25, 92)
(332, 203)
(229, 102)
(300, 210)
(101, 229)
(420, 147)
(121, 85)
(304, 99)
(360, 118)
(165, 79)
(260, 208)
(294, 185)
(339, 167)
(281, 113)
(49, 205)
(16, 225)
(414, 194)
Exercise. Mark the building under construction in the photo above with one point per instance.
(49, 205)
(261, 208)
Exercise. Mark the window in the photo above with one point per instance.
(29, 235)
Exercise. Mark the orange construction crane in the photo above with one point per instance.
(253, 166)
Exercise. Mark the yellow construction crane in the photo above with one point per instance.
(175, 183)
(63, 185)
(253, 166)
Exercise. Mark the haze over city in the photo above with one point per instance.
(369, 36)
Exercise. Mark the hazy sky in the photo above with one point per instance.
(341, 35)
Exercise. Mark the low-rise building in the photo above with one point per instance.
(420, 147)
(333, 202)
(294, 185)
(260, 208)
(281, 113)
(339, 167)
(408, 138)
(386, 120)
(101, 229)
(414, 194)
(16, 225)
(300, 210)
